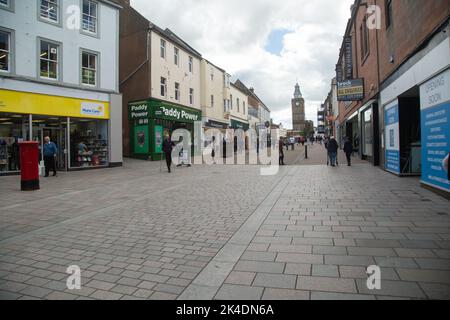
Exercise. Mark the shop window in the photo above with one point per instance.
(5, 51)
(89, 68)
(177, 91)
(163, 49)
(13, 129)
(88, 143)
(90, 16)
(49, 10)
(176, 56)
(388, 13)
(163, 87)
(49, 60)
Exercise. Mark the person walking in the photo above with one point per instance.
(213, 152)
(50, 152)
(333, 148)
(167, 149)
(281, 151)
(348, 149)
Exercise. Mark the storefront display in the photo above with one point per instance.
(150, 120)
(12, 130)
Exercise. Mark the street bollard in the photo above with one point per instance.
(306, 152)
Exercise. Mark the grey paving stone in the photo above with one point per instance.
(61, 296)
(329, 250)
(326, 284)
(395, 262)
(122, 289)
(349, 260)
(361, 251)
(325, 271)
(284, 294)
(235, 292)
(393, 288)
(240, 278)
(299, 258)
(420, 275)
(5, 295)
(298, 269)
(332, 296)
(259, 256)
(415, 253)
(256, 266)
(436, 291)
(290, 248)
(269, 280)
(37, 292)
(163, 296)
(105, 295)
(101, 285)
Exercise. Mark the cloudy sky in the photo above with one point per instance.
(267, 44)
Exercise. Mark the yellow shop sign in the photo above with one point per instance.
(34, 103)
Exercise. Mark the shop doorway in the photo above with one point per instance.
(59, 137)
(352, 131)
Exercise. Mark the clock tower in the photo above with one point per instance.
(298, 110)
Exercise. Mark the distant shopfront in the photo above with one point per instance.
(80, 128)
(151, 119)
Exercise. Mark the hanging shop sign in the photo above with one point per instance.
(392, 138)
(139, 110)
(435, 125)
(350, 90)
(348, 49)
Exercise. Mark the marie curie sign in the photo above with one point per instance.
(435, 118)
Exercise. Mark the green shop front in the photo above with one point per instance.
(151, 119)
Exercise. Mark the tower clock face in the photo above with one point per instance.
(298, 104)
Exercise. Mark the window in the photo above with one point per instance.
(176, 56)
(237, 103)
(231, 101)
(243, 106)
(388, 13)
(163, 49)
(49, 10)
(163, 86)
(191, 64)
(90, 16)
(89, 65)
(364, 35)
(5, 51)
(212, 101)
(191, 96)
(49, 60)
(226, 80)
(225, 109)
(212, 74)
(7, 5)
(177, 91)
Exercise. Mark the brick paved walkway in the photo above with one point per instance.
(224, 233)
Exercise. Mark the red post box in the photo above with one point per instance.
(29, 161)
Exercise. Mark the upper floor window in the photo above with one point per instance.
(5, 51)
(388, 13)
(226, 80)
(49, 10)
(7, 4)
(212, 101)
(212, 74)
(49, 60)
(231, 101)
(90, 16)
(163, 49)
(237, 103)
(177, 91)
(364, 35)
(191, 96)
(243, 107)
(163, 87)
(191, 64)
(89, 67)
(176, 56)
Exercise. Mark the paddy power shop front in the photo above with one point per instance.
(79, 128)
(150, 120)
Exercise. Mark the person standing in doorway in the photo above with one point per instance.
(167, 149)
(50, 152)
(348, 149)
(333, 148)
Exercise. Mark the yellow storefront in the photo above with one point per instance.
(78, 127)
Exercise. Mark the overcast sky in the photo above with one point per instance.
(268, 44)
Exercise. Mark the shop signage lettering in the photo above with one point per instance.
(392, 138)
(348, 57)
(92, 109)
(139, 111)
(179, 114)
(351, 90)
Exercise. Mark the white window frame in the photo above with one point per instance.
(97, 17)
(162, 48)
(163, 86)
(191, 96)
(177, 91)
(59, 60)
(10, 52)
(176, 56)
(97, 67)
(58, 22)
(9, 6)
(191, 64)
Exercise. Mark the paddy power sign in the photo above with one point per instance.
(153, 109)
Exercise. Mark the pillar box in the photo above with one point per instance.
(29, 161)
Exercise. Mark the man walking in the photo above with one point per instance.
(281, 151)
(348, 149)
(333, 148)
(50, 152)
(167, 149)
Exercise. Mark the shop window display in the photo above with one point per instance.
(11, 132)
(89, 143)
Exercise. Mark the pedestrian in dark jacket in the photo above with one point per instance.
(348, 149)
(167, 149)
(281, 155)
(332, 150)
(50, 152)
